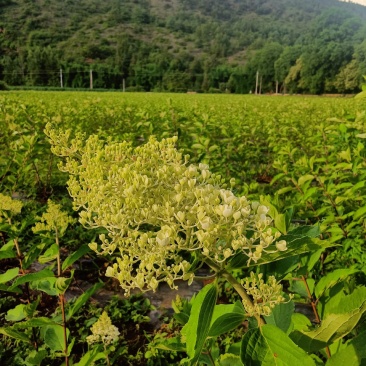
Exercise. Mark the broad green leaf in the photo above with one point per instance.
(9, 245)
(91, 357)
(284, 190)
(229, 359)
(5, 254)
(332, 279)
(300, 322)
(72, 258)
(336, 325)
(16, 314)
(171, 344)
(54, 337)
(9, 275)
(299, 287)
(281, 316)
(50, 254)
(268, 346)
(63, 283)
(198, 325)
(281, 223)
(36, 357)
(46, 285)
(361, 212)
(7, 331)
(304, 179)
(81, 300)
(7, 251)
(226, 318)
(35, 322)
(352, 354)
(45, 273)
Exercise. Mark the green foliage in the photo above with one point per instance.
(181, 46)
(311, 152)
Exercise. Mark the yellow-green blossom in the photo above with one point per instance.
(158, 209)
(103, 331)
(8, 204)
(53, 220)
(265, 295)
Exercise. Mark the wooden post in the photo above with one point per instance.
(91, 79)
(123, 85)
(61, 81)
(276, 86)
(256, 83)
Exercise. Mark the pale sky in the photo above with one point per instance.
(362, 2)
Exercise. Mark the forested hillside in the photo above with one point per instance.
(312, 46)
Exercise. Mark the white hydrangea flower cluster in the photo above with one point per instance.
(160, 211)
(265, 295)
(103, 331)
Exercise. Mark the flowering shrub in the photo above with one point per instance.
(162, 214)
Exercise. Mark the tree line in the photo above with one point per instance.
(209, 46)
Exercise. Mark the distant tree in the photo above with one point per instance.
(349, 78)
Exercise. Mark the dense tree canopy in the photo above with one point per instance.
(308, 46)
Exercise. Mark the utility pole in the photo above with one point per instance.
(260, 86)
(256, 83)
(61, 81)
(91, 79)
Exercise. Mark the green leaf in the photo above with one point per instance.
(336, 325)
(16, 314)
(54, 337)
(171, 344)
(14, 334)
(198, 325)
(45, 273)
(91, 357)
(36, 357)
(5, 254)
(35, 322)
(81, 300)
(226, 318)
(50, 254)
(6, 250)
(9, 275)
(229, 359)
(281, 316)
(299, 287)
(284, 190)
(332, 279)
(72, 258)
(268, 346)
(353, 354)
(300, 321)
(304, 179)
(359, 213)
(63, 283)
(47, 286)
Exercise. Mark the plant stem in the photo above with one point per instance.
(315, 311)
(62, 300)
(22, 271)
(237, 287)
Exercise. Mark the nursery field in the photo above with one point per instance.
(303, 159)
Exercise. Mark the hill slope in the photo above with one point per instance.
(306, 46)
